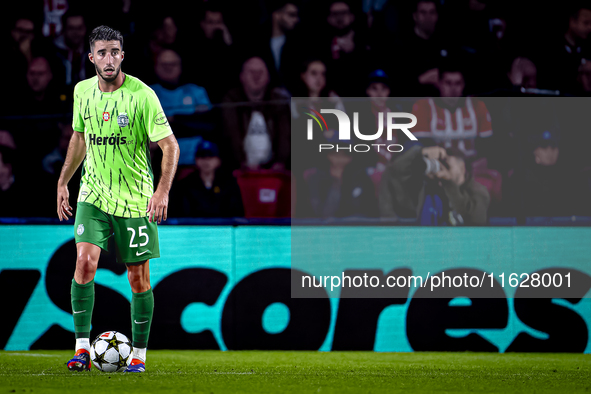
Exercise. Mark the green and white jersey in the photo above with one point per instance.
(118, 127)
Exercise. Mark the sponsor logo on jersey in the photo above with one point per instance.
(160, 118)
(106, 116)
(122, 120)
(80, 229)
(93, 139)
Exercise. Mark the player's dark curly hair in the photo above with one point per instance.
(104, 33)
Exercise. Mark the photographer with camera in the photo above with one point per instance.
(435, 186)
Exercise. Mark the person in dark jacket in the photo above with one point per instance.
(208, 192)
(338, 187)
(546, 184)
(433, 185)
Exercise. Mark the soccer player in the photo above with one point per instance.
(115, 118)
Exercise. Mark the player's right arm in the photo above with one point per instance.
(75, 155)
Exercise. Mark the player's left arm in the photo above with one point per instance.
(158, 130)
(158, 204)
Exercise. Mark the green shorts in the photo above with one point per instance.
(136, 239)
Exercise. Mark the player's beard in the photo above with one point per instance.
(108, 78)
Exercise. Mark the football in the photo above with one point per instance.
(111, 352)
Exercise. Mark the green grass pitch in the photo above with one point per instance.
(297, 372)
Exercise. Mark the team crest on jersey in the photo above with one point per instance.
(106, 116)
(80, 229)
(122, 120)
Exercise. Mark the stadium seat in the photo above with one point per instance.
(265, 193)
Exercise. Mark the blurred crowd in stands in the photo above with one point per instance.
(501, 91)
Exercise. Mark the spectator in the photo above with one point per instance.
(314, 77)
(424, 48)
(435, 186)
(19, 49)
(378, 91)
(474, 31)
(584, 77)
(313, 93)
(523, 73)
(42, 100)
(177, 98)
(214, 43)
(42, 96)
(213, 25)
(313, 82)
(23, 34)
(338, 188)
(344, 48)
(124, 15)
(281, 50)
(163, 36)
(24, 44)
(53, 162)
(562, 57)
(497, 51)
(258, 132)
(72, 49)
(313, 88)
(383, 17)
(11, 187)
(208, 192)
(450, 120)
(545, 185)
(53, 11)
(378, 88)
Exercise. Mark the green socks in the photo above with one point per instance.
(82, 304)
(142, 308)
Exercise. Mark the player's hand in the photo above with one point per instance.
(63, 206)
(158, 207)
